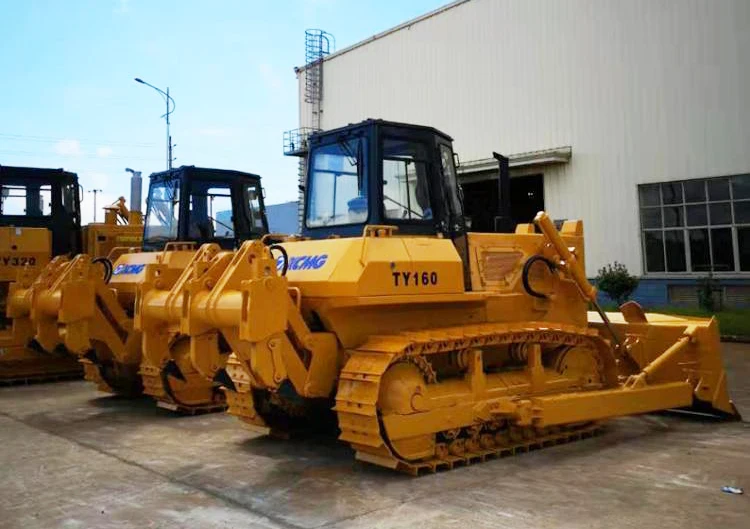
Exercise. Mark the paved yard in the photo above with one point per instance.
(74, 458)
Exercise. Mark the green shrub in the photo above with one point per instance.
(707, 289)
(615, 281)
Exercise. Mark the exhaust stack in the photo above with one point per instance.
(503, 221)
(136, 186)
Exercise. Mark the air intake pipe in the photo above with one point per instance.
(136, 187)
(503, 220)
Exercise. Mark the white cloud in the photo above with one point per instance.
(315, 12)
(122, 6)
(68, 148)
(269, 77)
(213, 131)
(103, 152)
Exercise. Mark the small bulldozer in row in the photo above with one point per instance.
(426, 344)
(84, 307)
(40, 219)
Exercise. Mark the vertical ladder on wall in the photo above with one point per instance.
(317, 47)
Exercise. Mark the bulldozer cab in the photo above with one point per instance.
(380, 172)
(42, 198)
(203, 205)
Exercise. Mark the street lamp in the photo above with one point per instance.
(167, 99)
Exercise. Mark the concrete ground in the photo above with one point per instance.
(71, 457)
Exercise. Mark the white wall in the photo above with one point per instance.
(643, 91)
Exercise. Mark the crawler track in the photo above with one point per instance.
(20, 380)
(128, 384)
(164, 390)
(191, 410)
(449, 461)
(359, 414)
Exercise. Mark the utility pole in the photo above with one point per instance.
(169, 136)
(95, 191)
(167, 99)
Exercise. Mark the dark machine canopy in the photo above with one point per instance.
(43, 198)
(203, 205)
(380, 172)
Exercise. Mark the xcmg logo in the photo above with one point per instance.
(128, 269)
(303, 262)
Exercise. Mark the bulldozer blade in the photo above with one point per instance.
(172, 369)
(222, 377)
(667, 348)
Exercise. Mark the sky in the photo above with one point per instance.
(68, 98)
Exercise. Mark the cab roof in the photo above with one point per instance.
(318, 137)
(204, 173)
(27, 174)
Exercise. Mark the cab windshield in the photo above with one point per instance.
(163, 212)
(337, 185)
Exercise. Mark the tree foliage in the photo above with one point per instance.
(615, 281)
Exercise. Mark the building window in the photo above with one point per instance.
(696, 226)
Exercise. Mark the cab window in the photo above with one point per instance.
(252, 193)
(406, 192)
(30, 200)
(70, 198)
(450, 180)
(210, 211)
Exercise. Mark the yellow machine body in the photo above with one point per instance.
(121, 228)
(76, 310)
(422, 373)
(25, 255)
(20, 248)
(88, 308)
(31, 248)
(168, 373)
(21, 358)
(28, 249)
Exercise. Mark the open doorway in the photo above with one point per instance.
(526, 197)
(481, 201)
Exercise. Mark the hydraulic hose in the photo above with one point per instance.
(285, 255)
(108, 268)
(527, 269)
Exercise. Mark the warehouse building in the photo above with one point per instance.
(632, 116)
(282, 218)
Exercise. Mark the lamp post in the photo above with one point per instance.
(95, 191)
(167, 99)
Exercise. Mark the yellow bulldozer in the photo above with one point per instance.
(427, 345)
(85, 307)
(40, 219)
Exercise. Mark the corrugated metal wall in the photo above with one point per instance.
(643, 91)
